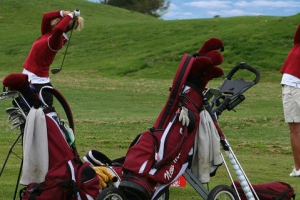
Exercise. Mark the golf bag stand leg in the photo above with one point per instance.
(196, 184)
(9, 152)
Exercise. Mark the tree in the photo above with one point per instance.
(155, 8)
(127, 4)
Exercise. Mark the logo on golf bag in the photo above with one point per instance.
(168, 174)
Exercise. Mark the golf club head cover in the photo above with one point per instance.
(211, 44)
(215, 71)
(105, 176)
(96, 158)
(205, 68)
(200, 65)
(19, 82)
(16, 81)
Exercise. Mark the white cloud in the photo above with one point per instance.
(179, 15)
(233, 12)
(173, 7)
(209, 4)
(190, 9)
(269, 4)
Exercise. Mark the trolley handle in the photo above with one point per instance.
(243, 65)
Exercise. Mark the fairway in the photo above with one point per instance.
(117, 75)
(258, 136)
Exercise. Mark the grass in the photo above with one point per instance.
(118, 71)
(256, 131)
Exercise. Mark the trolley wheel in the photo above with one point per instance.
(111, 193)
(164, 196)
(222, 192)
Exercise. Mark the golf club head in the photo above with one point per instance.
(17, 123)
(13, 116)
(55, 70)
(11, 110)
(10, 94)
(16, 118)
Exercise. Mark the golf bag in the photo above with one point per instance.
(52, 168)
(161, 154)
(268, 191)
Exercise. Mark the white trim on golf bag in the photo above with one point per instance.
(162, 144)
(161, 187)
(71, 167)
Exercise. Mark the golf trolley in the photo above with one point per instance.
(215, 101)
(226, 97)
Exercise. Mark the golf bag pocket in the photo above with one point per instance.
(141, 155)
(55, 189)
(159, 155)
(174, 151)
(67, 180)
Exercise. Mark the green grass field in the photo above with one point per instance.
(118, 71)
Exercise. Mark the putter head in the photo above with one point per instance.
(55, 70)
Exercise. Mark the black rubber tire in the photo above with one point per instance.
(164, 196)
(111, 193)
(222, 192)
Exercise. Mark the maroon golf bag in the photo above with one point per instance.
(161, 154)
(52, 168)
(275, 190)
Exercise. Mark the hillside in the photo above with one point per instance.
(118, 70)
(117, 42)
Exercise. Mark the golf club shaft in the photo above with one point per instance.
(56, 70)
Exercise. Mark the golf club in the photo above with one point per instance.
(56, 70)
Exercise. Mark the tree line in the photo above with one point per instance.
(155, 8)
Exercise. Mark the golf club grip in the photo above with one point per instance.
(243, 65)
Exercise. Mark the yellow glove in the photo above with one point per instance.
(104, 175)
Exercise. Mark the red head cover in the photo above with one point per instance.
(210, 45)
(216, 57)
(16, 81)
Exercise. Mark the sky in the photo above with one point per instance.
(193, 9)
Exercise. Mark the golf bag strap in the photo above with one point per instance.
(61, 100)
(175, 89)
(65, 106)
